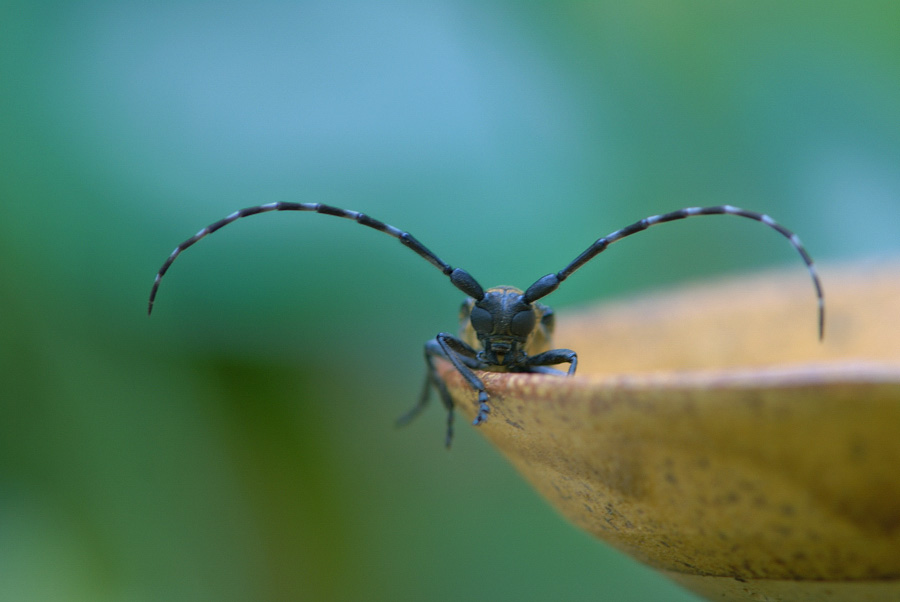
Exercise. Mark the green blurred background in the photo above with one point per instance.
(239, 445)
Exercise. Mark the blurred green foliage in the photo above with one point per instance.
(239, 444)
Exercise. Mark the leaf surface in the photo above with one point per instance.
(711, 435)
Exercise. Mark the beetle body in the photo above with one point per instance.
(503, 329)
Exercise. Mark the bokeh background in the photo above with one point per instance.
(239, 444)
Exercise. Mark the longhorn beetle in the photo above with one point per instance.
(502, 329)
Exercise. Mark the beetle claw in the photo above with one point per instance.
(483, 410)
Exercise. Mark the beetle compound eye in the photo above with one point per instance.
(522, 323)
(481, 320)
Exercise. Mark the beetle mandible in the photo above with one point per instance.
(503, 329)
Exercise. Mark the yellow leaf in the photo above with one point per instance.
(711, 435)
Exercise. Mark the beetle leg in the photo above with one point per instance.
(462, 356)
(546, 370)
(432, 349)
(553, 357)
(424, 397)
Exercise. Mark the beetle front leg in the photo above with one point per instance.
(553, 357)
(462, 356)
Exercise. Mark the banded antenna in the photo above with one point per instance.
(458, 277)
(549, 283)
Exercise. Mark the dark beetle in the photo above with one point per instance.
(502, 329)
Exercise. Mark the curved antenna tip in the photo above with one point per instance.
(821, 320)
(153, 294)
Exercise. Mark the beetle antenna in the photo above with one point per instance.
(459, 278)
(549, 283)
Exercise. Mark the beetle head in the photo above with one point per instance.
(503, 323)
